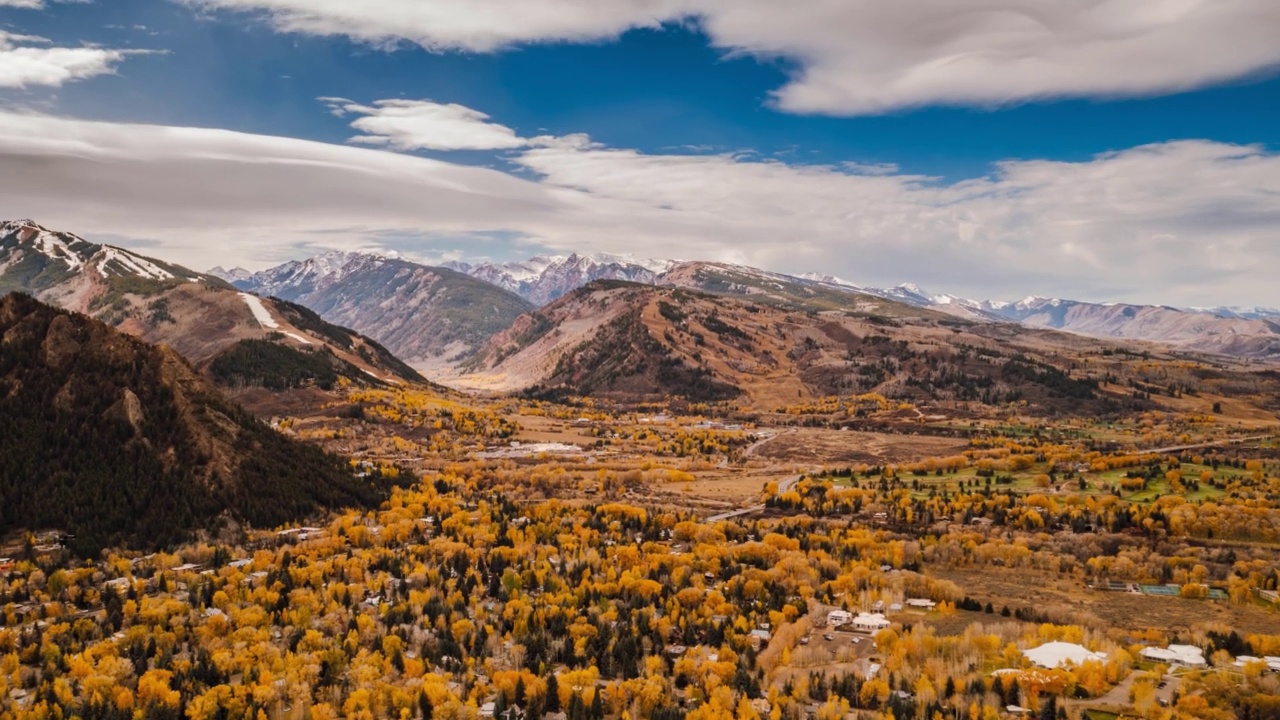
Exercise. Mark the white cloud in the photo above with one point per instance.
(26, 60)
(1192, 222)
(863, 56)
(34, 4)
(425, 125)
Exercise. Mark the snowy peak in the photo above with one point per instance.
(114, 261)
(64, 248)
(321, 270)
(26, 242)
(234, 275)
(829, 280)
(542, 279)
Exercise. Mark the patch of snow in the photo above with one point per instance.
(260, 312)
(43, 241)
(299, 338)
(131, 263)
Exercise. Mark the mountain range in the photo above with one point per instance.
(543, 279)
(446, 320)
(422, 314)
(209, 322)
(772, 344)
(351, 289)
(1240, 332)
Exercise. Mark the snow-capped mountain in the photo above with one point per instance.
(421, 313)
(47, 256)
(1257, 313)
(193, 313)
(1231, 331)
(545, 278)
(234, 275)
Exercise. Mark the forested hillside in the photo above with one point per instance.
(116, 441)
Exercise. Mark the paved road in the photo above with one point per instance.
(783, 486)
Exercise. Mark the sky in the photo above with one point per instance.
(1105, 150)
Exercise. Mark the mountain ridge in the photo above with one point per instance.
(423, 314)
(200, 316)
(1244, 332)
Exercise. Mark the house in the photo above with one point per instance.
(870, 622)
(837, 618)
(1272, 663)
(759, 638)
(923, 603)
(1054, 655)
(1184, 655)
(487, 709)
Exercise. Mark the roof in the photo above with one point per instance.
(1055, 654)
(1180, 654)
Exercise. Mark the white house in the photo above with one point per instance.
(1272, 663)
(1056, 654)
(870, 622)
(921, 603)
(836, 618)
(1184, 655)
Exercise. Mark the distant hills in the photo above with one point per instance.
(780, 345)
(120, 442)
(424, 315)
(1252, 333)
(202, 317)
(543, 279)
(1241, 332)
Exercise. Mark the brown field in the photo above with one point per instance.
(1028, 588)
(814, 446)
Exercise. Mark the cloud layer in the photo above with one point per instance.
(1192, 222)
(424, 125)
(27, 61)
(863, 56)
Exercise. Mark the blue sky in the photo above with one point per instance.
(715, 105)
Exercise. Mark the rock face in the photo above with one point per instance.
(420, 313)
(198, 315)
(121, 442)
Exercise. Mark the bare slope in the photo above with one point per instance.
(636, 342)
